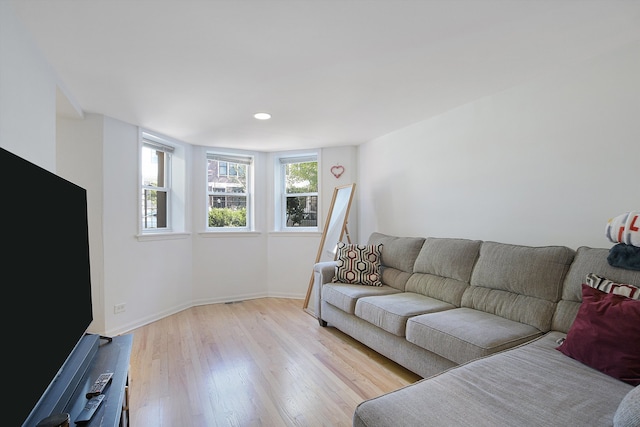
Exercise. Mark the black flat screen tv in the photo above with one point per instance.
(46, 277)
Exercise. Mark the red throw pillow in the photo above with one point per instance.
(606, 335)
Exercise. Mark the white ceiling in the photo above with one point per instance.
(331, 72)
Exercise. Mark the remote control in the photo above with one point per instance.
(99, 385)
(87, 412)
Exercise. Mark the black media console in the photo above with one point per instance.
(94, 355)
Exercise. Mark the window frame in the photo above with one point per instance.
(281, 190)
(248, 160)
(150, 141)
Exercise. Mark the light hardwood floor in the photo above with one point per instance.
(262, 362)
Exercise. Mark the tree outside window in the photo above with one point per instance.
(301, 191)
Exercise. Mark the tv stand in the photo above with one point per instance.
(93, 356)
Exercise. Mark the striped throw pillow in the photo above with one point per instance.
(611, 287)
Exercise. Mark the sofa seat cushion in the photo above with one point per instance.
(344, 295)
(531, 385)
(390, 312)
(463, 334)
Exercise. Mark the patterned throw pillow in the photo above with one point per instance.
(358, 264)
(611, 287)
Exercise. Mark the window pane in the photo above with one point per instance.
(301, 177)
(302, 211)
(227, 211)
(223, 201)
(153, 167)
(225, 176)
(227, 193)
(154, 209)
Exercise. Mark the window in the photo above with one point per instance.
(299, 189)
(156, 183)
(228, 191)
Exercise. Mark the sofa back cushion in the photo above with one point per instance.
(587, 260)
(398, 256)
(443, 268)
(520, 283)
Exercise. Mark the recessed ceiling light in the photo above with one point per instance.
(262, 116)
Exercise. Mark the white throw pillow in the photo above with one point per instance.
(628, 412)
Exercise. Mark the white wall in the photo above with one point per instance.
(235, 266)
(291, 255)
(347, 157)
(79, 160)
(153, 278)
(226, 266)
(27, 95)
(541, 164)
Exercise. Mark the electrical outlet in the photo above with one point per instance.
(119, 308)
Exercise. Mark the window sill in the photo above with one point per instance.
(231, 233)
(147, 237)
(296, 233)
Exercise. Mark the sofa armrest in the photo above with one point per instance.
(323, 272)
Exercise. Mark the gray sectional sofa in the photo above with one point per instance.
(481, 322)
